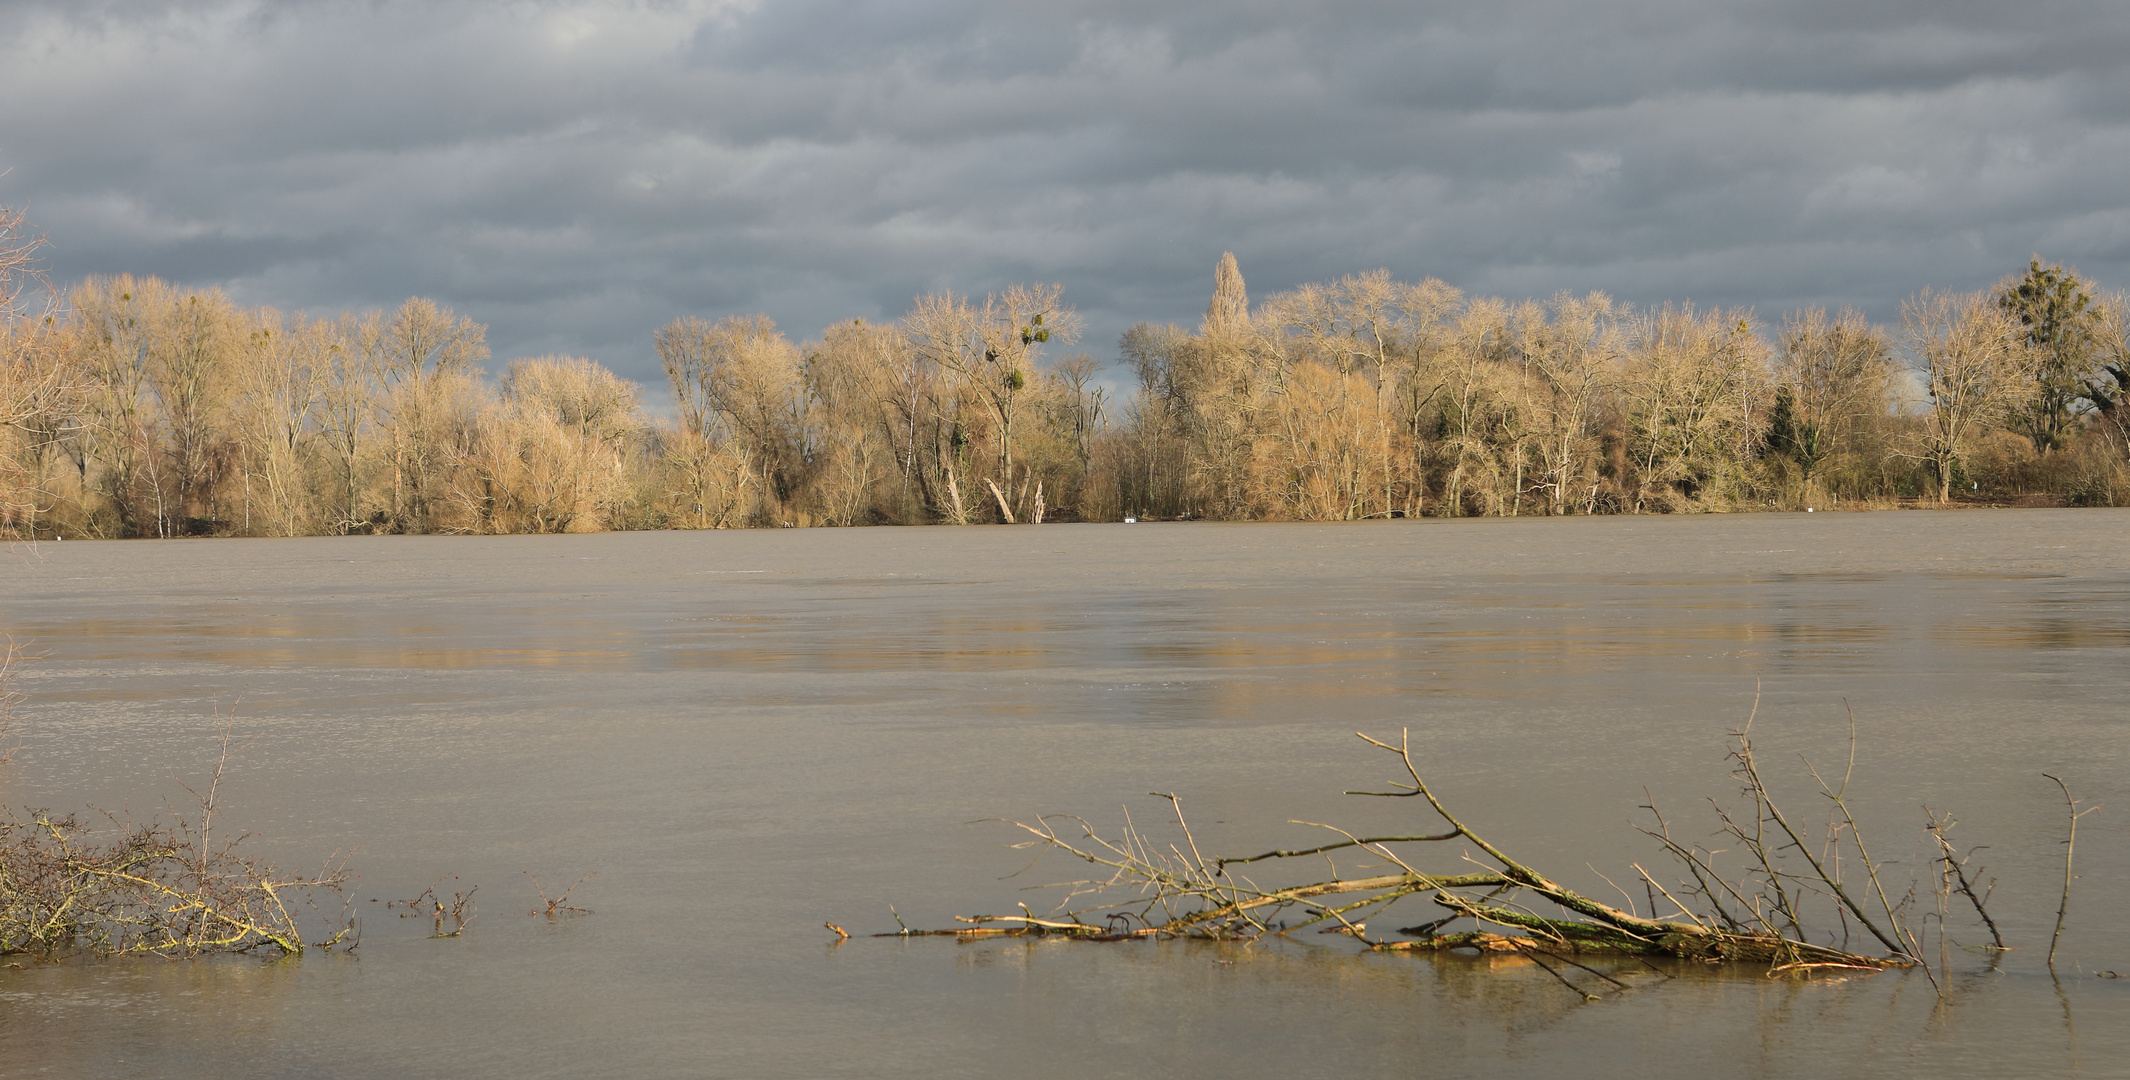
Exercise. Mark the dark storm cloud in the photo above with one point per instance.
(577, 174)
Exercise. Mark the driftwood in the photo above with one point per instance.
(1761, 911)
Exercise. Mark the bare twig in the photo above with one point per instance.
(1956, 866)
(1283, 853)
(2070, 843)
(558, 905)
(459, 910)
(1744, 756)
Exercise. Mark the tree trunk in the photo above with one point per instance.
(1004, 510)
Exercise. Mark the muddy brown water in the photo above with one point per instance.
(746, 734)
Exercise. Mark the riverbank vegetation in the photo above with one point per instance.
(132, 407)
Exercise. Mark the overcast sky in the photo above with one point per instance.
(577, 174)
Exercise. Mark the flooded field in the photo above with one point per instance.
(746, 734)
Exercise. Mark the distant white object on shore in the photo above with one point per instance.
(1131, 521)
(1808, 509)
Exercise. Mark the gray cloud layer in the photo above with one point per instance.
(577, 174)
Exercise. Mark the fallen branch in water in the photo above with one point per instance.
(166, 888)
(1789, 907)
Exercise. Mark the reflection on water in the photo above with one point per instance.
(746, 734)
(2053, 633)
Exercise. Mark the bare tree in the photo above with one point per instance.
(423, 356)
(871, 396)
(741, 380)
(1964, 349)
(993, 349)
(41, 386)
(347, 408)
(1083, 401)
(685, 350)
(115, 318)
(1832, 378)
(1568, 354)
(42, 392)
(550, 454)
(20, 277)
(1164, 445)
(1689, 396)
(2107, 389)
(1474, 359)
(279, 380)
(1390, 333)
(193, 339)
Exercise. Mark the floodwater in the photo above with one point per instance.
(746, 734)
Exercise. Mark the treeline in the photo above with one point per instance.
(144, 410)
(1370, 397)
(140, 409)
